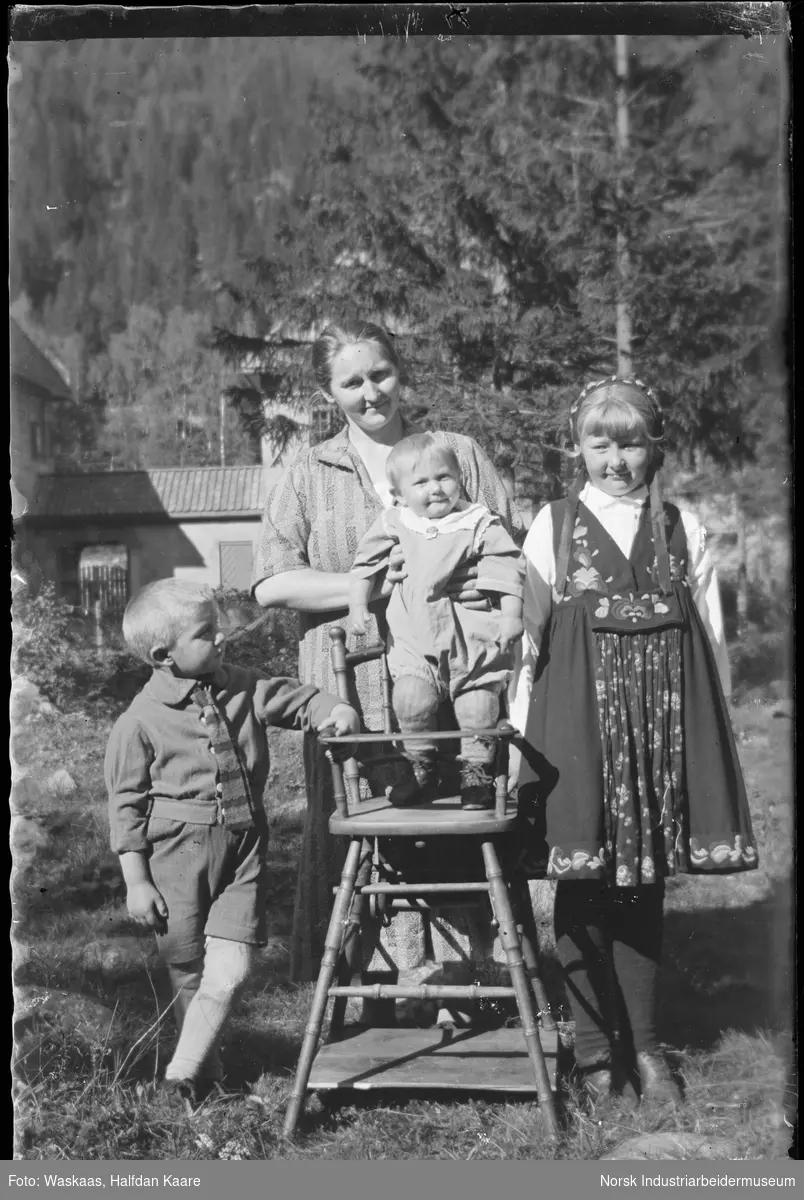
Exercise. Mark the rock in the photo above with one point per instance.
(115, 954)
(61, 782)
(26, 794)
(28, 837)
(672, 1146)
(69, 1012)
(25, 698)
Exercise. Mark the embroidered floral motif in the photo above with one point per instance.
(585, 579)
(579, 862)
(722, 854)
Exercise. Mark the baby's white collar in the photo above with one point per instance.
(465, 516)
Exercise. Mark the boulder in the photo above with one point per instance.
(28, 837)
(69, 1012)
(113, 955)
(61, 782)
(26, 794)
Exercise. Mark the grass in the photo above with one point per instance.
(726, 1007)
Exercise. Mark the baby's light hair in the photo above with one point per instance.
(411, 450)
(160, 611)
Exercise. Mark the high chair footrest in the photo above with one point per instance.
(479, 1060)
(424, 991)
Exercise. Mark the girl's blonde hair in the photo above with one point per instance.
(412, 449)
(618, 409)
(160, 611)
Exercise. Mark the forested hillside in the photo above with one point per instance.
(176, 202)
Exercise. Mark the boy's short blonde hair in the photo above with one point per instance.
(410, 450)
(160, 611)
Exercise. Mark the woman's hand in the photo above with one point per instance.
(395, 572)
(396, 566)
(461, 589)
(514, 763)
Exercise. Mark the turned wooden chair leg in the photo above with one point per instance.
(509, 938)
(351, 957)
(329, 963)
(529, 938)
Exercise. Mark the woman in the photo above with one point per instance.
(327, 499)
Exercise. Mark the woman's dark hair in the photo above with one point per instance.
(348, 333)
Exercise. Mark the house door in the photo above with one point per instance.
(237, 561)
(104, 578)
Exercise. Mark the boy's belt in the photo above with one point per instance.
(194, 812)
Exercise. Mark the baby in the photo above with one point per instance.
(439, 649)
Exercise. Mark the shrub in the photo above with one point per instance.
(54, 648)
(260, 639)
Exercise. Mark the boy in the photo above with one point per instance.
(186, 767)
(438, 649)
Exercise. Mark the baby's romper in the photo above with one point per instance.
(431, 636)
(631, 771)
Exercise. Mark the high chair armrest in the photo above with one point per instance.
(434, 735)
(354, 657)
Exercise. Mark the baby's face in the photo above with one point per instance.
(430, 487)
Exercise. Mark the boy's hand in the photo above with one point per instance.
(511, 629)
(342, 721)
(147, 906)
(358, 618)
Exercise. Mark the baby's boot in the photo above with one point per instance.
(422, 785)
(477, 786)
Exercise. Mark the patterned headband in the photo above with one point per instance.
(625, 380)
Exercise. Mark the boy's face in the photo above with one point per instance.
(429, 487)
(198, 650)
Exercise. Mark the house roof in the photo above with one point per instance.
(190, 492)
(32, 368)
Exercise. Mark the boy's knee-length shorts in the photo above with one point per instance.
(213, 881)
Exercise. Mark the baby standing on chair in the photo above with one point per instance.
(439, 649)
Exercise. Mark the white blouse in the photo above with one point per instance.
(619, 516)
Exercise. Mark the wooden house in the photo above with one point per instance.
(106, 534)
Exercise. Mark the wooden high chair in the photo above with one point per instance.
(479, 1059)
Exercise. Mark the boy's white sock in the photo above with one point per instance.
(185, 980)
(226, 969)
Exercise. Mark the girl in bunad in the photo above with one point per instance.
(629, 769)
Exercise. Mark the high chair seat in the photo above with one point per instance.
(439, 818)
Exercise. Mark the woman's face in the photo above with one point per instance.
(365, 386)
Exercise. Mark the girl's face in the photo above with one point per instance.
(619, 466)
(365, 386)
(429, 487)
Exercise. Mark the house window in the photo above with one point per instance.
(237, 561)
(38, 440)
(324, 423)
